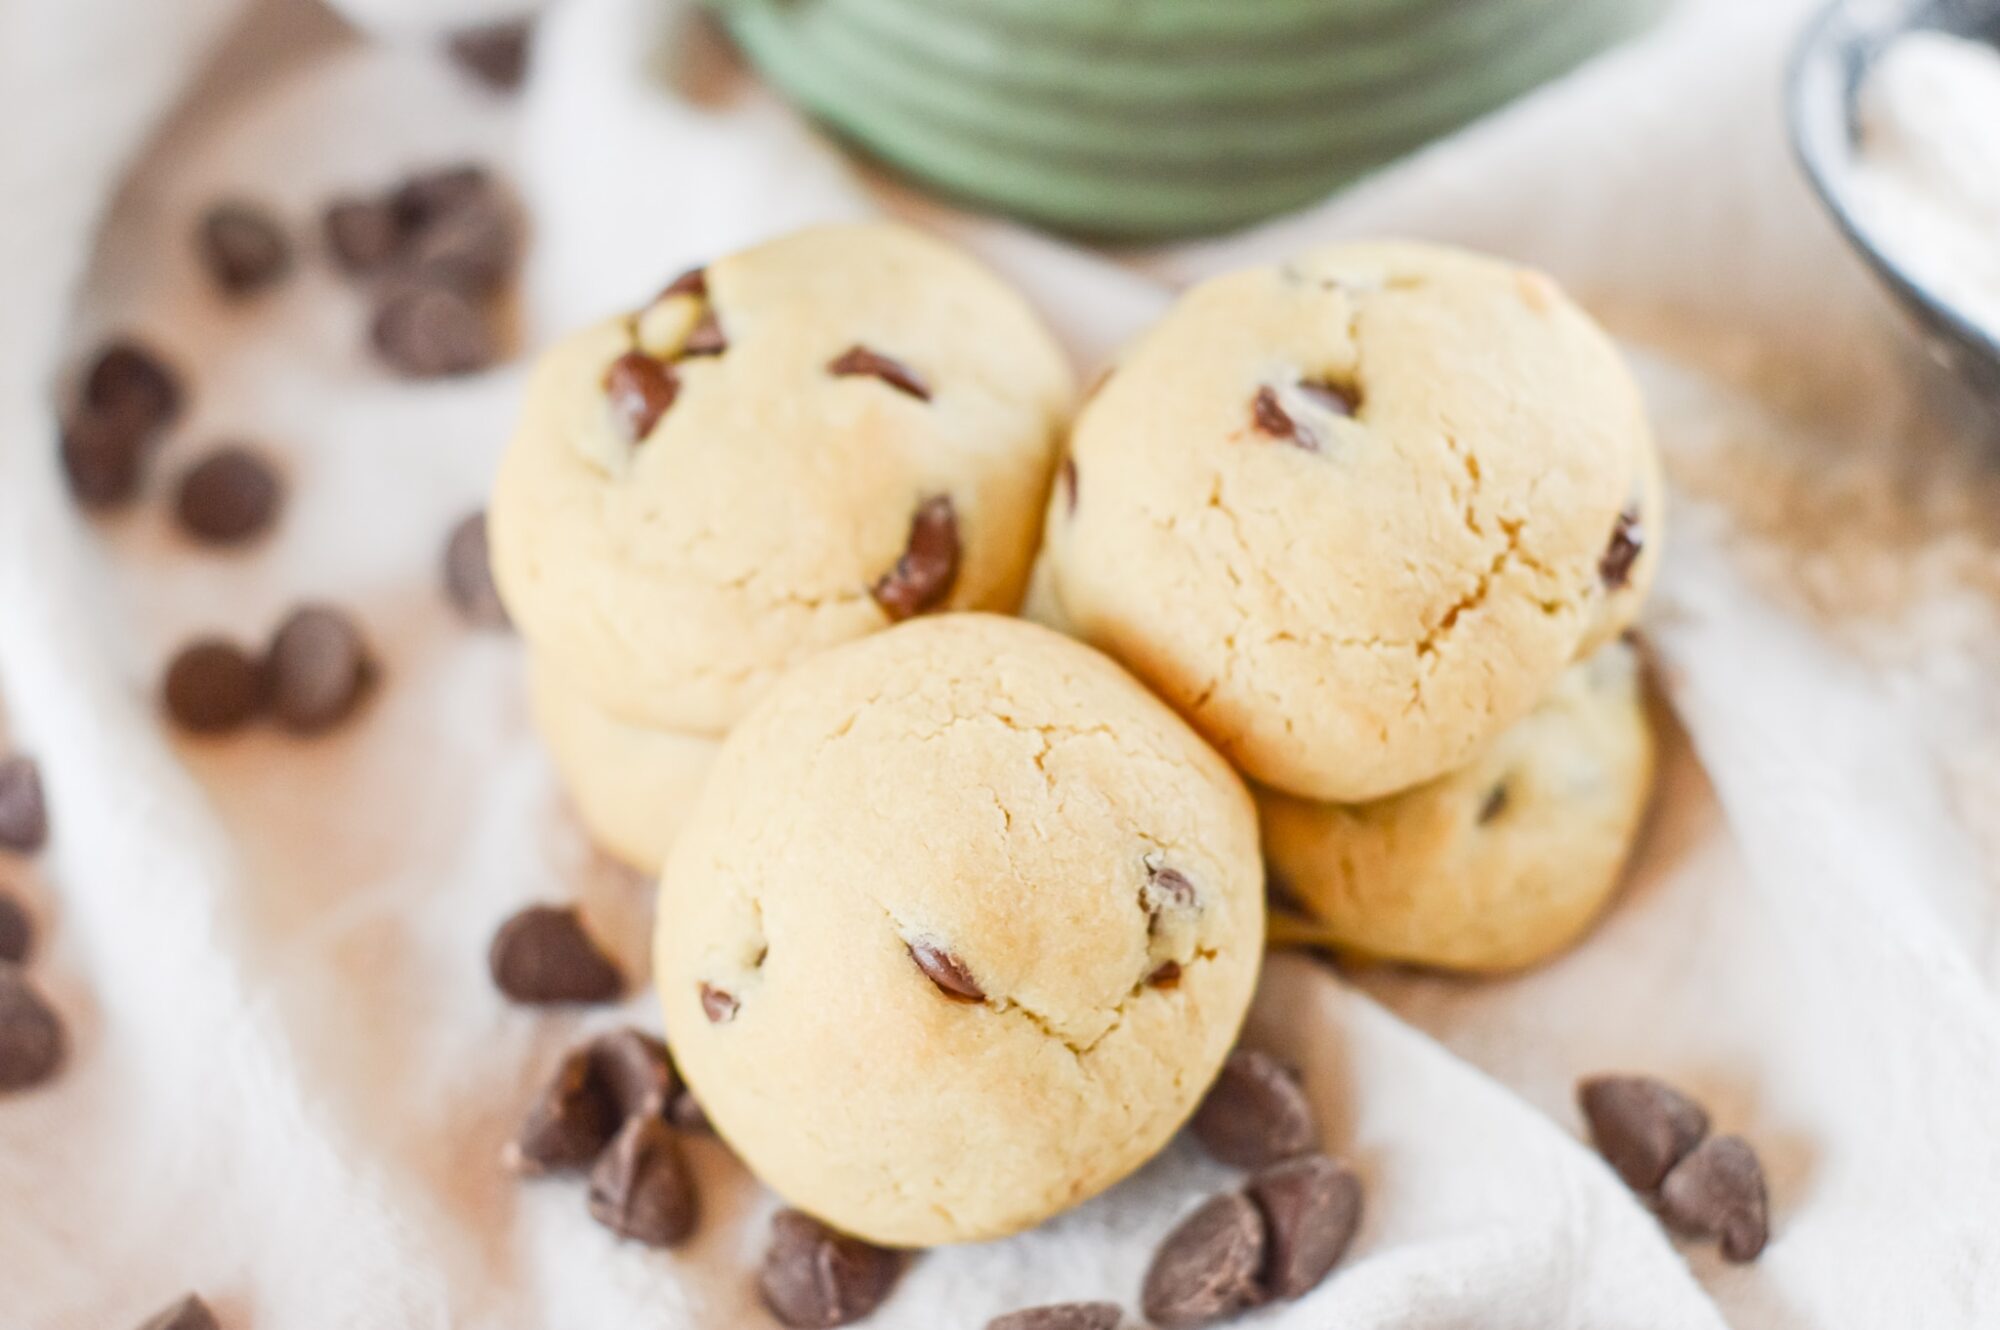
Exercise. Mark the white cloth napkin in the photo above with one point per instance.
(291, 1078)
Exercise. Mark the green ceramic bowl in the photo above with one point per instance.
(1145, 119)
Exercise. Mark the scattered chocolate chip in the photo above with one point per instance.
(17, 931)
(430, 331)
(1269, 416)
(719, 1006)
(1718, 1191)
(1642, 1126)
(1061, 1316)
(693, 282)
(471, 248)
(1330, 397)
(1311, 1207)
(213, 687)
(860, 361)
(1167, 975)
(814, 1278)
(31, 1035)
(947, 971)
(129, 380)
(639, 390)
(24, 812)
(468, 575)
(1208, 1266)
(1067, 478)
(686, 1113)
(923, 576)
(635, 1071)
(1628, 539)
(243, 247)
(190, 1313)
(428, 195)
(1255, 1114)
(1495, 805)
(641, 1188)
(364, 235)
(318, 669)
(570, 1122)
(706, 338)
(103, 454)
(496, 54)
(544, 954)
(228, 496)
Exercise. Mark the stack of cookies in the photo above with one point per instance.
(1374, 522)
(792, 448)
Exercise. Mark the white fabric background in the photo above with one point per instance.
(291, 1076)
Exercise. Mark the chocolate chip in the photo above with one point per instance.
(24, 812)
(639, 390)
(860, 361)
(364, 235)
(1255, 1114)
(243, 247)
(814, 1278)
(496, 54)
(1208, 1266)
(1269, 416)
(1628, 539)
(190, 1313)
(1067, 478)
(693, 282)
(472, 248)
(431, 331)
(1718, 1191)
(1495, 805)
(318, 669)
(228, 496)
(468, 575)
(428, 195)
(641, 1188)
(544, 954)
(131, 381)
(17, 931)
(570, 1122)
(1642, 1126)
(1167, 975)
(947, 971)
(1311, 1207)
(720, 1007)
(635, 1072)
(1061, 1316)
(1165, 889)
(1330, 397)
(923, 576)
(686, 1113)
(102, 457)
(31, 1035)
(213, 687)
(706, 338)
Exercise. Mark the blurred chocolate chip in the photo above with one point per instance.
(1495, 805)
(923, 576)
(364, 235)
(860, 361)
(228, 496)
(318, 668)
(428, 330)
(639, 390)
(544, 954)
(1067, 478)
(1718, 1191)
(686, 1113)
(1061, 1316)
(1166, 975)
(1330, 397)
(17, 931)
(103, 455)
(641, 1188)
(428, 195)
(190, 1313)
(1268, 414)
(1628, 539)
(31, 1034)
(635, 1072)
(495, 53)
(129, 380)
(947, 971)
(719, 1006)
(1208, 1266)
(570, 1122)
(1642, 1126)
(706, 338)
(693, 282)
(24, 812)
(213, 687)
(472, 247)
(1311, 1207)
(814, 1278)
(243, 247)
(468, 575)
(1255, 1114)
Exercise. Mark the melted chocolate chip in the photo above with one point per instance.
(1208, 1267)
(543, 954)
(1642, 1126)
(719, 1006)
(1331, 397)
(1256, 1114)
(860, 361)
(640, 390)
(813, 1278)
(693, 282)
(1628, 540)
(947, 971)
(923, 576)
(1167, 975)
(706, 338)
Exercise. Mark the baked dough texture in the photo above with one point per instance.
(1353, 515)
(674, 540)
(1494, 867)
(632, 788)
(961, 929)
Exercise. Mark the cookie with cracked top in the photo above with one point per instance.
(1353, 515)
(911, 930)
(784, 450)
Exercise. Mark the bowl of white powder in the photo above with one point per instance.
(1895, 109)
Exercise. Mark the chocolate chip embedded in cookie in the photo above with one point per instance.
(922, 577)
